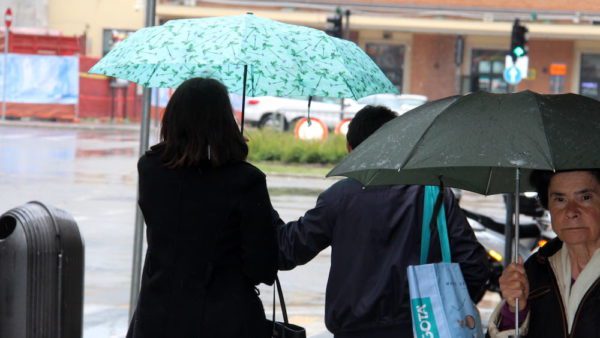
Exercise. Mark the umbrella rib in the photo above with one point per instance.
(489, 181)
(414, 148)
(343, 65)
(545, 134)
(371, 179)
(151, 74)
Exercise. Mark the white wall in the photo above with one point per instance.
(26, 13)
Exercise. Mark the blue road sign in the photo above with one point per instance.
(512, 75)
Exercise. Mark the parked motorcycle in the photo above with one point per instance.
(534, 231)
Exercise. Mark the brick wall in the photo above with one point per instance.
(527, 5)
(541, 54)
(432, 70)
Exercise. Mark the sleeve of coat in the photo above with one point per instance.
(301, 240)
(494, 321)
(258, 238)
(466, 250)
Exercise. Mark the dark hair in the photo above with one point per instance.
(199, 126)
(540, 179)
(366, 122)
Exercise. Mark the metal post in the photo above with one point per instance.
(6, 34)
(508, 229)
(125, 98)
(77, 109)
(459, 47)
(156, 113)
(347, 25)
(138, 235)
(516, 253)
(112, 104)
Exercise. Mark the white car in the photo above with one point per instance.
(281, 113)
(398, 103)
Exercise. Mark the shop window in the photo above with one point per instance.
(589, 83)
(487, 67)
(390, 58)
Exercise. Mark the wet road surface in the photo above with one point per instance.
(92, 175)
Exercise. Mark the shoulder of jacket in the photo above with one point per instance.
(350, 185)
(250, 168)
(344, 186)
(548, 250)
(245, 174)
(152, 154)
(148, 159)
(540, 258)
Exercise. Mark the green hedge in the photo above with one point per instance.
(269, 145)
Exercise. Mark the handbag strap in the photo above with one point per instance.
(281, 300)
(432, 207)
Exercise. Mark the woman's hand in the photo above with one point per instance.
(514, 284)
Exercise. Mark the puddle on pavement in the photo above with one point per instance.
(86, 153)
(82, 177)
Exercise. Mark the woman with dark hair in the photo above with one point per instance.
(210, 225)
(558, 287)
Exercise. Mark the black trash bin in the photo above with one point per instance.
(41, 273)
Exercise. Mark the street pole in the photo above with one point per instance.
(459, 47)
(8, 17)
(4, 72)
(347, 25)
(138, 235)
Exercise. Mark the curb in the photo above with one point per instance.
(71, 125)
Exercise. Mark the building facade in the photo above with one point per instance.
(415, 43)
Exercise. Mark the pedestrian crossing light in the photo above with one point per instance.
(518, 40)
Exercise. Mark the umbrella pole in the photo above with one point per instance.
(516, 253)
(508, 229)
(244, 98)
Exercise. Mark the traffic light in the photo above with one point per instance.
(335, 29)
(518, 40)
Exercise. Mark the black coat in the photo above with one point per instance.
(375, 233)
(211, 239)
(547, 314)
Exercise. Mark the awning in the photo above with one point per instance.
(318, 19)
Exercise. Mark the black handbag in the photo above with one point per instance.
(283, 329)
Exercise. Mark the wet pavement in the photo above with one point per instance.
(91, 173)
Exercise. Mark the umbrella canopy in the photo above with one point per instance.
(475, 142)
(279, 59)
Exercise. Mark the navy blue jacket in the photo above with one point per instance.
(375, 233)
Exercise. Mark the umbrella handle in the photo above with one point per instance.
(308, 112)
(244, 99)
(516, 254)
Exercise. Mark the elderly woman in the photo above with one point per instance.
(559, 286)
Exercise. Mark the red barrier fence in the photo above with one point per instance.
(99, 98)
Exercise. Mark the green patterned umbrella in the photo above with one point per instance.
(279, 59)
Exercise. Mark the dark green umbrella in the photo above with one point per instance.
(477, 141)
(482, 142)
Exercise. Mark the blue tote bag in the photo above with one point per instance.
(440, 303)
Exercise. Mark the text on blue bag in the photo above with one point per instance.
(423, 315)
